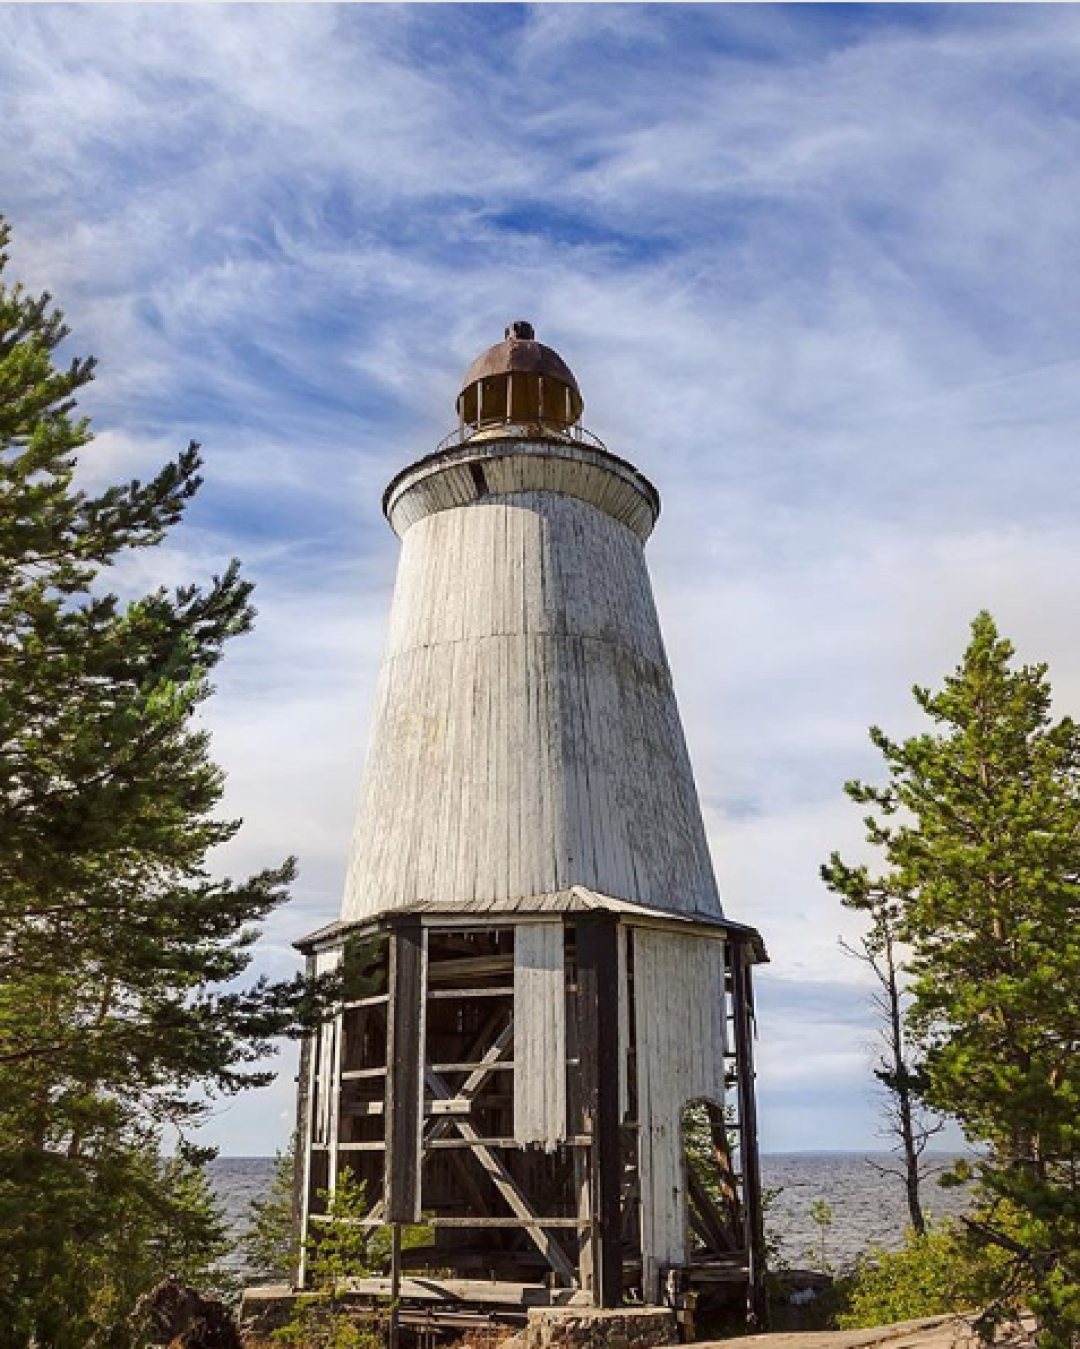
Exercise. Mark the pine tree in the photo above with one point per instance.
(907, 1122)
(980, 825)
(271, 1240)
(116, 943)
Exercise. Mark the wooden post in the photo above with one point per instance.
(598, 1001)
(395, 1285)
(305, 1101)
(404, 1071)
(749, 1164)
(331, 1085)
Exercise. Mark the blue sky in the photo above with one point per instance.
(815, 267)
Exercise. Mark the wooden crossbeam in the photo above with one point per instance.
(505, 1183)
(487, 1064)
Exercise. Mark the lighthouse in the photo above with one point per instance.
(543, 1053)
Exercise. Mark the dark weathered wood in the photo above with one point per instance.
(504, 1144)
(709, 1221)
(742, 996)
(731, 1210)
(485, 1152)
(598, 1048)
(480, 1221)
(301, 1160)
(404, 1077)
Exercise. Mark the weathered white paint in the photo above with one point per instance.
(526, 737)
(501, 466)
(623, 939)
(325, 1065)
(539, 1034)
(679, 1008)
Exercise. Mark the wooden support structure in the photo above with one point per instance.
(404, 1075)
(423, 1106)
(753, 1216)
(598, 999)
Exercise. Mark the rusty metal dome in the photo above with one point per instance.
(522, 381)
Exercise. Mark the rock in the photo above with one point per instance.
(183, 1319)
(594, 1328)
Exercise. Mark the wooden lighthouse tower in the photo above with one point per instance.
(543, 1052)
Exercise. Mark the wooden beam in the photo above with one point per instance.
(487, 1065)
(404, 1082)
(503, 1066)
(459, 993)
(710, 1224)
(376, 1000)
(332, 1088)
(468, 967)
(599, 1050)
(749, 1164)
(504, 1144)
(478, 1221)
(305, 1103)
(519, 1205)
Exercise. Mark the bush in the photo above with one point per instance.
(930, 1275)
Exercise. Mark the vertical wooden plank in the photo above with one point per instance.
(623, 937)
(539, 1034)
(332, 1092)
(598, 1003)
(680, 1050)
(328, 1075)
(404, 1075)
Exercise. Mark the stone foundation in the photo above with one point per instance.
(594, 1328)
(265, 1309)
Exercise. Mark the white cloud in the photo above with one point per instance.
(815, 271)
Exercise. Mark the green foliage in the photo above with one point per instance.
(979, 823)
(270, 1242)
(821, 1215)
(338, 1250)
(116, 944)
(934, 1274)
(775, 1260)
(145, 1218)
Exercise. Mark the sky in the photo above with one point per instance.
(816, 268)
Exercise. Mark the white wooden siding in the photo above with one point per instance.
(679, 1006)
(325, 1067)
(622, 937)
(539, 1035)
(526, 737)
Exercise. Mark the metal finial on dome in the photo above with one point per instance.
(520, 382)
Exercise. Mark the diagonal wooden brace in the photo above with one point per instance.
(501, 1177)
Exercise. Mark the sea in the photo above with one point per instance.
(867, 1209)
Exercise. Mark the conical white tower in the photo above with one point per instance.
(526, 737)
